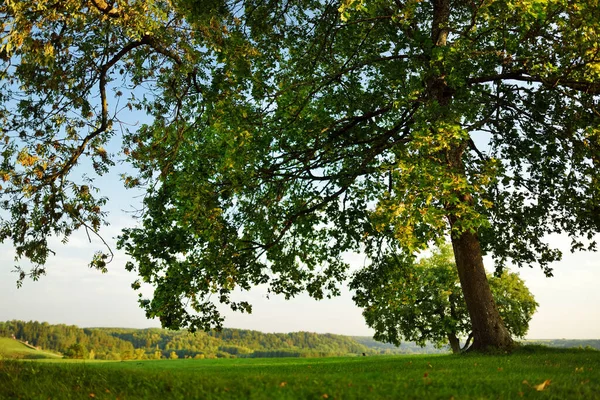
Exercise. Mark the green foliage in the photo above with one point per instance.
(283, 135)
(422, 301)
(573, 375)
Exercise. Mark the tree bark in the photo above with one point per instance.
(489, 331)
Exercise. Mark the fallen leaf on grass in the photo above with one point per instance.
(426, 379)
(92, 395)
(282, 384)
(500, 369)
(325, 396)
(542, 385)
(539, 387)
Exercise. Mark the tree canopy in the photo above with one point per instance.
(287, 133)
(422, 301)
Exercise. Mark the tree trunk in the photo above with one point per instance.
(488, 328)
(489, 331)
(454, 343)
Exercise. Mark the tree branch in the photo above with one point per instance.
(584, 87)
(107, 9)
(104, 110)
(468, 342)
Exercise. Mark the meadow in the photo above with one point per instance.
(530, 372)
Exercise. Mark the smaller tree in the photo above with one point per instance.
(140, 354)
(76, 350)
(421, 301)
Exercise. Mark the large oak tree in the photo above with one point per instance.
(287, 133)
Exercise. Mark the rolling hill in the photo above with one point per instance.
(13, 349)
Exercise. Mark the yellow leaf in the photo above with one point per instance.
(542, 385)
(26, 159)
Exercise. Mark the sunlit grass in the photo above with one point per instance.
(12, 349)
(532, 372)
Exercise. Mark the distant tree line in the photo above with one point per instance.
(70, 340)
(126, 344)
(381, 348)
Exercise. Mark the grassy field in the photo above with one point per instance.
(12, 349)
(530, 373)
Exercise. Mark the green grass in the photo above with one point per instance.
(12, 349)
(573, 374)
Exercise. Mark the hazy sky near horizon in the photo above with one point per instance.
(71, 293)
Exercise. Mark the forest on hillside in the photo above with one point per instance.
(154, 343)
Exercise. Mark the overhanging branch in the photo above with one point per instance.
(580, 86)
